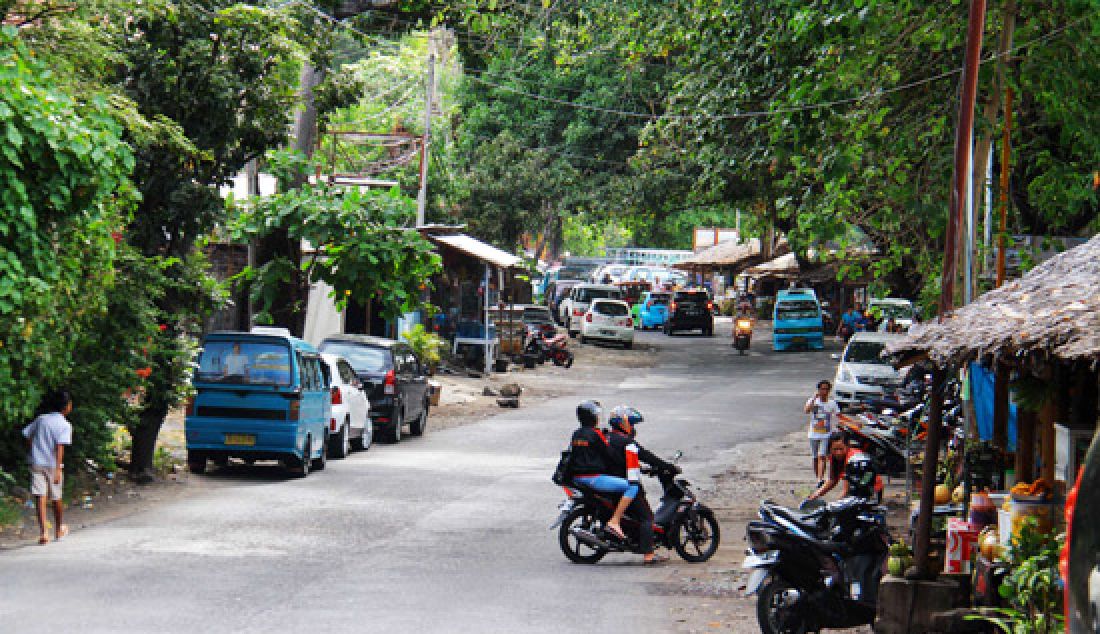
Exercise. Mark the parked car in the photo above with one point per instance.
(608, 320)
(533, 314)
(349, 425)
(613, 271)
(260, 395)
(575, 307)
(796, 320)
(652, 310)
(690, 310)
(863, 373)
(557, 292)
(395, 381)
(900, 309)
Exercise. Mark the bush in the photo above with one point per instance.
(428, 346)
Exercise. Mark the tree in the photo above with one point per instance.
(225, 76)
(63, 191)
(363, 245)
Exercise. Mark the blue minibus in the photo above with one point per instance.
(259, 395)
(796, 320)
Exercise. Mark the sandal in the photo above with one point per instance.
(615, 532)
(657, 559)
(62, 532)
(43, 540)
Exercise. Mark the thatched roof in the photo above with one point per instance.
(732, 255)
(1053, 309)
(782, 266)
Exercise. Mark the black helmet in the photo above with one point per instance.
(624, 418)
(588, 413)
(860, 474)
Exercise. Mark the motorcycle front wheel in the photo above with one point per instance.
(696, 538)
(574, 549)
(777, 609)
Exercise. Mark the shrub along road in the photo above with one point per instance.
(445, 533)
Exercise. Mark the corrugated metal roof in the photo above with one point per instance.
(478, 249)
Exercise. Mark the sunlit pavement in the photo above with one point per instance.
(445, 533)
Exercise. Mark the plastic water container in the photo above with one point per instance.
(1004, 527)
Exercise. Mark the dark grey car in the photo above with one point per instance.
(395, 381)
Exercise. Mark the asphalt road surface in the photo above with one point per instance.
(445, 533)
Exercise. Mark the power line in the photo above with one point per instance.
(764, 113)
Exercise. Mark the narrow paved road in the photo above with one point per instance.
(446, 533)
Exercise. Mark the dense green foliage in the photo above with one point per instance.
(63, 191)
(362, 244)
(812, 117)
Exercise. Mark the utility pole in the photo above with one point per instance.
(429, 98)
(963, 136)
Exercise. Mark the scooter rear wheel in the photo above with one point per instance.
(574, 549)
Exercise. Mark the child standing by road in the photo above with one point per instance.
(822, 410)
(46, 438)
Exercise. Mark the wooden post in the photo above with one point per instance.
(1026, 421)
(1000, 405)
(921, 568)
(1048, 415)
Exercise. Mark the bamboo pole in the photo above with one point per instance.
(1006, 156)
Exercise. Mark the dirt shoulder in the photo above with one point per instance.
(712, 595)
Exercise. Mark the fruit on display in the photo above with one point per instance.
(957, 495)
(1039, 488)
(943, 494)
(901, 558)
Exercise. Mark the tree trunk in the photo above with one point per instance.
(290, 310)
(144, 444)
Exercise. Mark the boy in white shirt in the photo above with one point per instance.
(47, 437)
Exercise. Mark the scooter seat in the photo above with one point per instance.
(806, 522)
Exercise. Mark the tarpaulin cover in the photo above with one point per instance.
(981, 390)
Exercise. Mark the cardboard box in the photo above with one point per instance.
(962, 541)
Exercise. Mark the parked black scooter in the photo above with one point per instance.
(816, 570)
(681, 522)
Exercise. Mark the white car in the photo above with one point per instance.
(349, 427)
(574, 308)
(614, 271)
(862, 372)
(900, 309)
(608, 320)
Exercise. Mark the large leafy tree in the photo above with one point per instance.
(63, 191)
(362, 244)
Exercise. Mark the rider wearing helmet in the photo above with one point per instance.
(592, 464)
(851, 466)
(627, 456)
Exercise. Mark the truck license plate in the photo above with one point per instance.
(244, 440)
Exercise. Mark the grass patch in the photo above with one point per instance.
(11, 512)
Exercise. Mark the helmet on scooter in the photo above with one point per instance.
(588, 413)
(860, 474)
(623, 418)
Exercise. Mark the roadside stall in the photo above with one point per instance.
(1039, 338)
(820, 274)
(476, 277)
(730, 258)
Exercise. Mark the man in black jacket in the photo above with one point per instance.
(592, 463)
